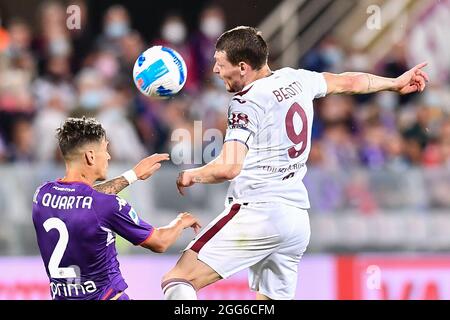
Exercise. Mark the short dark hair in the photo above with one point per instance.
(76, 132)
(244, 44)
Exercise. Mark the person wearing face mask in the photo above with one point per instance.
(326, 56)
(116, 25)
(92, 99)
(117, 22)
(59, 47)
(211, 25)
(174, 35)
(174, 31)
(93, 93)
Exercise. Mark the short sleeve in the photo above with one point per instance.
(118, 215)
(316, 82)
(243, 121)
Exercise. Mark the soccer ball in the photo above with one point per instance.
(159, 72)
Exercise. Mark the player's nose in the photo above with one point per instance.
(215, 68)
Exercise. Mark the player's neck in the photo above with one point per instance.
(75, 174)
(261, 73)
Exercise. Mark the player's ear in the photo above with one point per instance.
(89, 156)
(242, 68)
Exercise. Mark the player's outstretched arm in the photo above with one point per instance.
(142, 171)
(164, 237)
(225, 167)
(414, 80)
(113, 186)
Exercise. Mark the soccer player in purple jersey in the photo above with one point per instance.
(76, 222)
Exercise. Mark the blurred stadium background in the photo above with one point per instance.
(379, 169)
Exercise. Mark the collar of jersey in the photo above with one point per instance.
(253, 82)
(72, 182)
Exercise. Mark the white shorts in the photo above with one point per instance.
(268, 238)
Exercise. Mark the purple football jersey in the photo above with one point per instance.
(75, 228)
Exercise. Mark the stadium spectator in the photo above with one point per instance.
(174, 34)
(52, 38)
(41, 79)
(124, 144)
(2, 150)
(20, 37)
(116, 24)
(21, 148)
(211, 25)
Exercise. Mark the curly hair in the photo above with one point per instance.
(76, 132)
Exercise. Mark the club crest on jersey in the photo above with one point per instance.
(237, 120)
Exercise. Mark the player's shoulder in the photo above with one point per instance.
(103, 199)
(41, 189)
(256, 94)
(286, 70)
(307, 74)
(244, 99)
(45, 185)
(106, 203)
(261, 89)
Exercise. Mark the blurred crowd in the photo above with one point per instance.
(50, 72)
(383, 130)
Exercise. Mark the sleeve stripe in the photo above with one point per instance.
(237, 141)
(248, 139)
(148, 237)
(242, 128)
(108, 293)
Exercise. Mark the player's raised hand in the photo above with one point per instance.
(188, 220)
(184, 180)
(148, 166)
(413, 80)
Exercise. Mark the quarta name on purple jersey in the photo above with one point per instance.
(75, 228)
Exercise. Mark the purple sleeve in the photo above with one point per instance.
(116, 214)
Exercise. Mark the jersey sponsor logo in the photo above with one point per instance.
(291, 167)
(72, 289)
(63, 189)
(66, 202)
(237, 120)
(134, 216)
